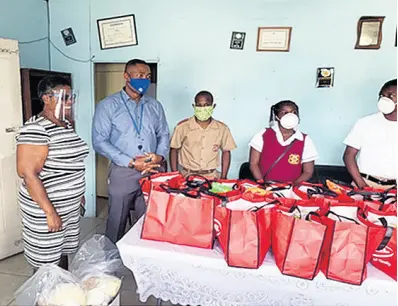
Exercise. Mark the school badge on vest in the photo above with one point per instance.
(294, 159)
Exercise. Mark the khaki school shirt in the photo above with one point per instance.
(199, 149)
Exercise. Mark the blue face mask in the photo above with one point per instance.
(140, 85)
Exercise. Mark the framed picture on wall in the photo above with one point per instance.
(325, 77)
(369, 32)
(117, 32)
(237, 40)
(274, 39)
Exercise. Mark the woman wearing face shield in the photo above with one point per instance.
(281, 152)
(373, 139)
(50, 160)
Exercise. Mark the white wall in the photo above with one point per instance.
(191, 41)
(26, 20)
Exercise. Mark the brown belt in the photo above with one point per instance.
(199, 171)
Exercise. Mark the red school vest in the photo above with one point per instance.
(289, 167)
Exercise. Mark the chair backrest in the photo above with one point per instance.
(245, 172)
(321, 172)
(339, 173)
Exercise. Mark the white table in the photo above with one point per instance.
(192, 276)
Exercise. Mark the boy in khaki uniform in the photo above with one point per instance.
(197, 141)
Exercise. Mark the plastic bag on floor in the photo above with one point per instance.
(96, 265)
(51, 286)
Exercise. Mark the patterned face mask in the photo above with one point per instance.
(203, 113)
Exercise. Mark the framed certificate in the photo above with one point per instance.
(274, 39)
(117, 32)
(369, 32)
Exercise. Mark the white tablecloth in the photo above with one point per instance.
(192, 276)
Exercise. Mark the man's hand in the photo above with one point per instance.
(145, 165)
(157, 159)
(54, 222)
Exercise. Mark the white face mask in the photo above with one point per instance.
(289, 121)
(386, 105)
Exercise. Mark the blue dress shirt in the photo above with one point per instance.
(123, 128)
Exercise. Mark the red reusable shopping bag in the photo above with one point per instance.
(243, 230)
(179, 217)
(351, 241)
(298, 237)
(341, 189)
(233, 184)
(159, 178)
(269, 189)
(378, 199)
(385, 257)
(384, 207)
(307, 191)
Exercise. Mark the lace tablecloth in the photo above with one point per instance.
(191, 276)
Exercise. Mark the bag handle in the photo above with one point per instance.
(384, 200)
(317, 190)
(180, 191)
(387, 236)
(257, 208)
(200, 186)
(341, 217)
(367, 195)
(269, 183)
(382, 220)
(295, 207)
(391, 188)
(312, 213)
(278, 159)
(197, 184)
(235, 186)
(224, 200)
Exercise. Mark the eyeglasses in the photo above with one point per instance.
(67, 97)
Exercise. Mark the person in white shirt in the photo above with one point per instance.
(281, 152)
(371, 152)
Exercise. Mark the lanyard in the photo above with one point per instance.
(136, 127)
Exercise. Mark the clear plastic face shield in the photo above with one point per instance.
(65, 107)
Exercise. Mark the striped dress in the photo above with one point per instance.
(63, 177)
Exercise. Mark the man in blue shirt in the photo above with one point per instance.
(131, 130)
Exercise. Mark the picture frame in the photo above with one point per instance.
(68, 36)
(237, 40)
(369, 32)
(325, 77)
(117, 32)
(274, 39)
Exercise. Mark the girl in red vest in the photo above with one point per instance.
(281, 152)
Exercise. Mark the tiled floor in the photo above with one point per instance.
(14, 271)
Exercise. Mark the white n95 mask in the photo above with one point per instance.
(386, 105)
(289, 121)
